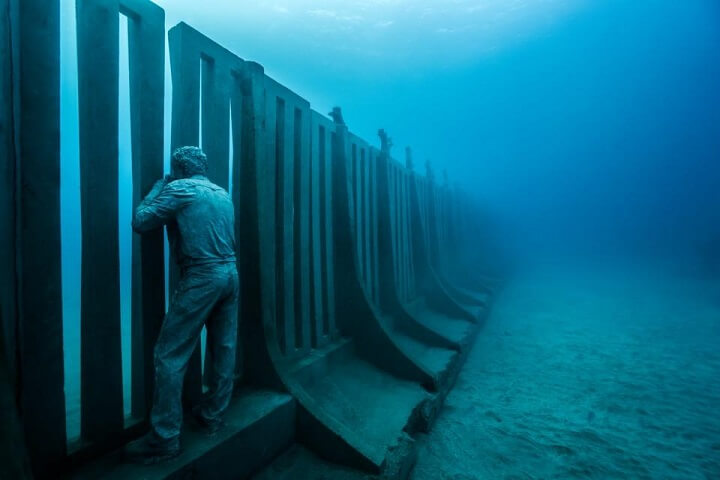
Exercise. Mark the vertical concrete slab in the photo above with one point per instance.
(358, 205)
(286, 209)
(280, 128)
(354, 198)
(288, 132)
(392, 204)
(402, 324)
(317, 241)
(302, 213)
(372, 273)
(441, 220)
(255, 226)
(13, 456)
(272, 204)
(216, 84)
(404, 237)
(395, 192)
(411, 233)
(8, 197)
(400, 279)
(237, 181)
(357, 317)
(248, 113)
(366, 246)
(429, 284)
(215, 92)
(398, 231)
(193, 55)
(185, 67)
(374, 224)
(101, 404)
(434, 223)
(146, 36)
(330, 325)
(42, 400)
(185, 70)
(387, 268)
(402, 241)
(294, 143)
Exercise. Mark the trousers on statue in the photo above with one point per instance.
(208, 296)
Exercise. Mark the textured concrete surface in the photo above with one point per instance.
(258, 426)
(454, 329)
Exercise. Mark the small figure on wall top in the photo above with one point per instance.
(337, 116)
(386, 142)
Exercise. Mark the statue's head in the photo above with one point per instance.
(188, 161)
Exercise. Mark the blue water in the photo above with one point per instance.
(589, 131)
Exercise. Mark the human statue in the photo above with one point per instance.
(337, 116)
(201, 227)
(386, 142)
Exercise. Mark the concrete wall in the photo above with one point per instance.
(102, 415)
(323, 220)
(7, 189)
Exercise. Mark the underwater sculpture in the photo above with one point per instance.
(201, 228)
(329, 238)
(386, 142)
(336, 115)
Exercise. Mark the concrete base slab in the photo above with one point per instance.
(375, 406)
(478, 297)
(436, 360)
(260, 424)
(456, 330)
(300, 463)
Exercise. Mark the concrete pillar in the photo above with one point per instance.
(13, 457)
(98, 67)
(323, 328)
(202, 69)
(37, 136)
(101, 366)
(146, 36)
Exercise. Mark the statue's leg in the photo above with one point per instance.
(197, 294)
(222, 346)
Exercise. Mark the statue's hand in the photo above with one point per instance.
(159, 185)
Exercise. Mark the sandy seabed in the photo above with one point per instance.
(612, 373)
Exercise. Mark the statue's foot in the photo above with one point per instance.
(151, 449)
(207, 425)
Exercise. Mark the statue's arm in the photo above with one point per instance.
(159, 206)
